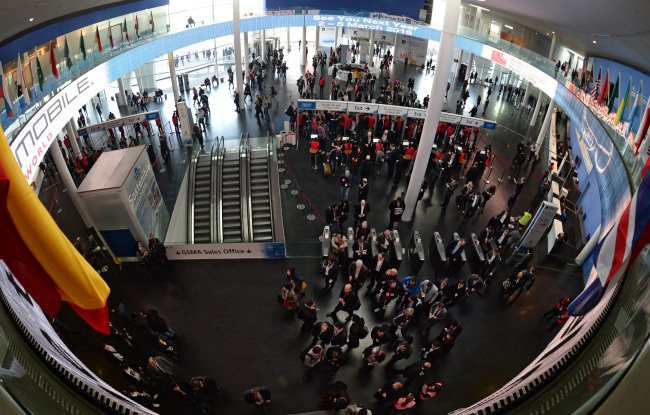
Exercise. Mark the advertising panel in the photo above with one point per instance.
(118, 122)
(539, 224)
(143, 195)
(42, 337)
(326, 37)
(270, 250)
(413, 48)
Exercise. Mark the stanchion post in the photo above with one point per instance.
(487, 179)
(500, 179)
(311, 217)
(295, 190)
(300, 205)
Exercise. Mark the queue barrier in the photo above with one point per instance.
(463, 256)
(416, 253)
(350, 236)
(326, 242)
(437, 253)
(395, 252)
(475, 256)
(374, 245)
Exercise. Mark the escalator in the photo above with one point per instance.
(260, 199)
(202, 198)
(231, 199)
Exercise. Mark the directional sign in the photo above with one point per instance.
(490, 125)
(108, 124)
(472, 122)
(449, 118)
(417, 113)
(361, 107)
(392, 110)
(306, 105)
(331, 105)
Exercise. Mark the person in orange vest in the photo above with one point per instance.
(404, 403)
(559, 309)
(430, 390)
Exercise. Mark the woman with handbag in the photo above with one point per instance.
(298, 283)
(289, 297)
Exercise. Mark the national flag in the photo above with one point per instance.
(110, 35)
(39, 70)
(98, 41)
(137, 27)
(613, 94)
(594, 91)
(151, 22)
(582, 79)
(41, 257)
(125, 30)
(55, 71)
(636, 110)
(604, 92)
(619, 248)
(623, 102)
(21, 80)
(82, 45)
(4, 94)
(642, 132)
(66, 54)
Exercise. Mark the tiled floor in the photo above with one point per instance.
(230, 326)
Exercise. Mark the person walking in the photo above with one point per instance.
(449, 191)
(260, 396)
(346, 182)
(396, 209)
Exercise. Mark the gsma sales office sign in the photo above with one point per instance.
(39, 133)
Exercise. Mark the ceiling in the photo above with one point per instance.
(619, 27)
(15, 15)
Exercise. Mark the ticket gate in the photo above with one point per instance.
(437, 253)
(374, 245)
(395, 252)
(326, 242)
(349, 249)
(463, 256)
(416, 253)
(475, 257)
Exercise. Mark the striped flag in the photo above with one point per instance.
(21, 80)
(619, 248)
(636, 110)
(604, 91)
(39, 70)
(623, 102)
(98, 41)
(4, 94)
(82, 44)
(151, 22)
(137, 26)
(55, 71)
(594, 91)
(110, 35)
(125, 30)
(643, 128)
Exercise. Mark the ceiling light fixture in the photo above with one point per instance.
(508, 26)
(594, 41)
(31, 19)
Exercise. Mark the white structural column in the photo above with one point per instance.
(460, 62)
(172, 75)
(288, 39)
(59, 161)
(72, 136)
(371, 54)
(588, 248)
(239, 79)
(438, 89)
(547, 121)
(469, 65)
(508, 80)
(527, 93)
(246, 53)
(303, 47)
(336, 38)
(538, 106)
(553, 43)
(263, 43)
(216, 58)
(317, 39)
(121, 101)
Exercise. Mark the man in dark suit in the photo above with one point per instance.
(358, 273)
(384, 241)
(449, 191)
(500, 220)
(396, 209)
(340, 336)
(410, 372)
(361, 211)
(455, 249)
(322, 332)
(363, 189)
(378, 267)
(380, 336)
(356, 329)
(259, 396)
(524, 261)
(348, 301)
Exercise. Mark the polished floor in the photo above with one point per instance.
(229, 325)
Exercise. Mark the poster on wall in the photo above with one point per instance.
(326, 37)
(143, 194)
(539, 224)
(413, 48)
(42, 337)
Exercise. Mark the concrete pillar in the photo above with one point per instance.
(533, 120)
(588, 248)
(264, 43)
(438, 89)
(469, 65)
(246, 53)
(336, 38)
(547, 121)
(477, 21)
(508, 80)
(317, 39)
(288, 39)
(72, 136)
(372, 48)
(172, 75)
(460, 62)
(239, 79)
(59, 161)
(303, 47)
(553, 44)
(216, 58)
(527, 93)
(121, 97)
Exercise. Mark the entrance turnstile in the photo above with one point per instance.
(475, 257)
(437, 253)
(416, 253)
(374, 245)
(350, 250)
(326, 242)
(395, 252)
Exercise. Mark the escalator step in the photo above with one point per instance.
(230, 211)
(231, 204)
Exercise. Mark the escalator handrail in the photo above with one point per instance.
(249, 194)
(269, 160)
(243, 192)
(213, 189)
(191, 184)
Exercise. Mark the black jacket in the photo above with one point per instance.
(264, 392)
(351, 301)
(339, 339)
(326, 337)
(450, 249)
(357, 210)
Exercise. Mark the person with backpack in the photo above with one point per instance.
(308, 313)
(312, 358)
(358, 331)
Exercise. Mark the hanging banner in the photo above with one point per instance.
(269, 250)
(326, 37)
(538, 225)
